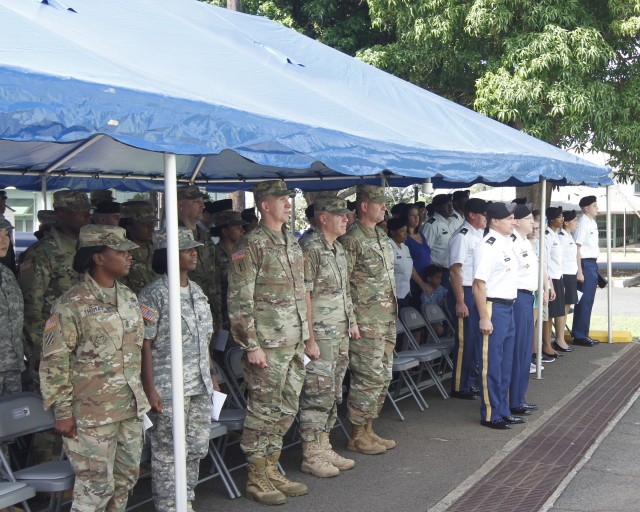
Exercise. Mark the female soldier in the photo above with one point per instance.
(197, 327)
(90, 372)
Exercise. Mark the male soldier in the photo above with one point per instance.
(47, 272)
(46, 220)
(249, 216)
(373, 291)
(107, 213)
(139, 220)
(309, 213)
(268, 314)
(437, 232)
(331, 322)
(460, 197)
(190, 208)
(9, 259)
(461, 246)
(495, 289)
(351, 216)
(586, 237)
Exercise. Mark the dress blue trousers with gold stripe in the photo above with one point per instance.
(465, 350)
(522, 349)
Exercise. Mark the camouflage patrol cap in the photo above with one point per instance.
(271, 188)
(141, 211)
(47, 217)
(5, 224)
(371, 193)
(191, 192)
(330, 204)
(100, 196)
(228, 218)
(185, 239)
(74, 200)
(96, 235)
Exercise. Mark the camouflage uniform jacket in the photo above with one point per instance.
(141, 273)
(325, 276)
(267, 298)
(196, 335)
(371, 277)
(223, 263)
(12, 320)
(205, 273)
(44, 276)
(91, 356)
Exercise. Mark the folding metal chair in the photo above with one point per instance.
(12, 493)
(404, 385)
(433, 314)
(414, 320)
(22, 414)
(428, 355)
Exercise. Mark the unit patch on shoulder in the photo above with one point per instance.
(150, 315)
(490, 240)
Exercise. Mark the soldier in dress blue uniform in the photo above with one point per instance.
(495, 268)
(437, 233)
(461, 248)
(459, 199)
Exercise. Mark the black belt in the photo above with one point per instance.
(442, 268)
(504, 302)
(467, 287)
(528, 292)
(589, 259)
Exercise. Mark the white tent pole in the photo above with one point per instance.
(196, 171)
(175, 331)
(43, 190)
(610, 285)
(541, 275)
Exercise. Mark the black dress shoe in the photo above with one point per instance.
(595, 342)
(520, 410)
(584, 342)
(474, 391)
(496, 424)
(531, 407)
(549, 356)
(464, 395)
(560, 349)
(513, 420)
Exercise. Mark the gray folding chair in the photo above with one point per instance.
(12, 493)
(218, 430)
(22, 414)
(403, 386)
(433, 314)
(429, 356)
(414, 320)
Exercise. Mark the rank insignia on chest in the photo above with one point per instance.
(148, 314)
(237, 256)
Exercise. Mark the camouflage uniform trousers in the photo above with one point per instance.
(370, 364)
(197, 413)
(322, 389)
(10, 382)
(274, 394)
(106, 461)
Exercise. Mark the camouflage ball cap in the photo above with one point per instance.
(96, 235)
(271, 188)
(73, 200)
(185, 239)
(141, 211)
(191, 192)
(47, 217)
(330, 204)
(372, 193)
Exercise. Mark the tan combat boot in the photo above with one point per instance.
(387, 443)
(360, 442)
(280, 482)
(259, 487)
(342, 463)
(313, 461)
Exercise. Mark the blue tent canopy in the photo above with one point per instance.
(96, 92)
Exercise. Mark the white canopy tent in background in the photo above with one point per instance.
(145, 94)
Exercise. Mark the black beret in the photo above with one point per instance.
(553, 212)
(351, 205)
(248, 214)
(440, 199)
(520, 200)
(394, 224)
(218, 206)
(497, 210)
(399, 209)
(309, 212)
(475, 205)
(569, 215)
(587, 201)
(107, 207)
(522, 210)
(420, 204)
(461, 193)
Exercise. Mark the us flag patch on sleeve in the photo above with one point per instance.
(148, 314)
(50, 324)
(236, 256)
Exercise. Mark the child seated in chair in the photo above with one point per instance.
(433, 276)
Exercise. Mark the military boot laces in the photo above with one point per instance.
(259, 487)
(314, 462)
(360, 442)
(282, 483)
(342, 463)
(387, 443)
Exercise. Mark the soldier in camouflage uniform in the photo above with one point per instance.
(47, 272)
(229, 226)
(331, 321)
(11, 318)
(138, 219)
(372, 282)
(90, 372)
(267, 310)
(197, 327)
(190, 208)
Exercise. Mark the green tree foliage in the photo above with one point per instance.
(565, 71)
